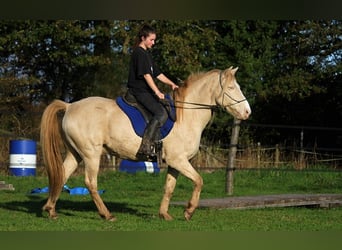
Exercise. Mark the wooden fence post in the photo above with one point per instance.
(301, 154)
(258, 154)
(277, 156)
(231, 157)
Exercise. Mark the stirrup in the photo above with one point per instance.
(146, 157)
(151, 154)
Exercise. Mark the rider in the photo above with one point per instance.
(141, 84)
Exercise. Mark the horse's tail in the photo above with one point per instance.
(51, 142)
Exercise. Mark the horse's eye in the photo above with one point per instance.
(231, 86)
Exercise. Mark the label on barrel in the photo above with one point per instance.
(23, 160)
(149, 167)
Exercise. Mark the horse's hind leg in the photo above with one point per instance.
(70, 164)
(91, 172)
(50, 206)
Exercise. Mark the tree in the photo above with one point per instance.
(185, 47)
(303, 84)
(58, 56)
(41, 61)
(250, 46)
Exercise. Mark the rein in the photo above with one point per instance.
(199, 105)
(208, 106)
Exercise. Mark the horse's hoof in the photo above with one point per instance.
(187, 215)
(166, 217)
(112, 219)
(51, 212)
(52, 216)
(108, 217)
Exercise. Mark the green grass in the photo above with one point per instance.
(134, 200)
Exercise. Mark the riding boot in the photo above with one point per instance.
(146, 151)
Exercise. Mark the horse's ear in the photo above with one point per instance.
(234, 70)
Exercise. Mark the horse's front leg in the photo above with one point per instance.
(171, 179)
(184, 167)
(192, 174)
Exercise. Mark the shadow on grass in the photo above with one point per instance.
(67, 207)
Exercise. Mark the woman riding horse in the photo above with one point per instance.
(141, 85)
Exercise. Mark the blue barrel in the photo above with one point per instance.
(23, 157)
(136, 166)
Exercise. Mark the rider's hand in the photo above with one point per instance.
(174, 86)
(160, 95)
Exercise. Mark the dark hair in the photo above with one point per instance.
(144, 31)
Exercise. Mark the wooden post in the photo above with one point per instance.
(231, 157)
(277, 156)
(113, 162)
(258, 154)
(301, 156)
(4, 186)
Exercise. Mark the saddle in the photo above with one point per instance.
(140, 117)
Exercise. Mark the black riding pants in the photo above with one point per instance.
(152, 104)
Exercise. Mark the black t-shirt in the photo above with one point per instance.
(141, 64)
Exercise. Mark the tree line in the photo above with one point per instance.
(290, 70)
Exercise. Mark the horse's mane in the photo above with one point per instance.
(195, 76)
(182, 91)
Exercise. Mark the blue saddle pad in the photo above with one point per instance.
(138, 121)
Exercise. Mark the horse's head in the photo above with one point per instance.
(231, 98)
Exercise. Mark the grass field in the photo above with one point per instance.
(134, 200)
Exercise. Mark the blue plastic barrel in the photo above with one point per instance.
(136, 166)
(23, 157)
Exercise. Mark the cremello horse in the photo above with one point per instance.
(93, 124)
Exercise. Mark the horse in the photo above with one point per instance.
(87, 128)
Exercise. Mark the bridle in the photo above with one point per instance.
(212, 107)
(229, 96)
